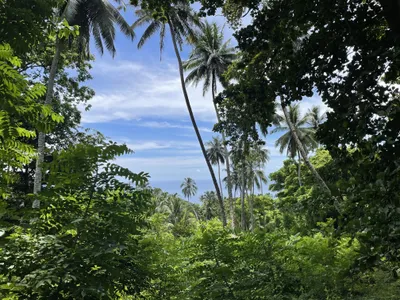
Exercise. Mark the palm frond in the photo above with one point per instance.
(148, 33)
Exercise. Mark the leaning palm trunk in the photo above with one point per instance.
(227, 163)
(196, 129)
(37, 186)
(299, 167)
(303, 153)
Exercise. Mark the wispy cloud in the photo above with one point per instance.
(103, 68)
(168, 168)
(163, 125)
(151, 91)
(175, 146)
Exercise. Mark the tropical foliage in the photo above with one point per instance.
(328, 226)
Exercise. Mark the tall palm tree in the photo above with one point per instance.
(287, 142)
(234, 180)
(96, 18)
(303, 150)
(208, 61)
(260, 179)
(239, 166)
(189, 188)
(254, 164)
(216, 155)
(260, 155)
(315, 116)
(182, 23)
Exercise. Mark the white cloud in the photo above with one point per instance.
(147, 146)
(118, 66)
(155, 124)
(176, 146)
(168, 168)
(135, 91)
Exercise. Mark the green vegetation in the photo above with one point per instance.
(75, 225)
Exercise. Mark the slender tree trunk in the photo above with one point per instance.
(196, 129)
(242, 189)
(195, 214)
(220, 182)
(227, 160)
(251, 206)
(37, 185)
(303, 153)
(299, 168)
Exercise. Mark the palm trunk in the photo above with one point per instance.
(196, 215)
(37, 185)
(251, 210)
(227, 162)
(299, 168)
(220, 182)
(196, 129)
(242, 189)
(303, 153)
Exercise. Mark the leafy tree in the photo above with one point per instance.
(304, 206)
(291, 56)
(208, 61)
(83, 242)
(27, 35)
(182, 23)
(93, 18)
(189, 188)
(19, 112)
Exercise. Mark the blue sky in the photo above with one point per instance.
(139, 102)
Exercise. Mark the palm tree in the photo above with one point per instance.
(261, 156)
(302, 148)
(182, 21)
(260, 179)
(95, 18)
(315, 116)
(239, 166)
(189, 188)
(216, 155)
(234, 180)
(208, 61)
(252, 168)
(288, 141)
(173, 206)
(208, 199)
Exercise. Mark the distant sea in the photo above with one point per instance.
(174, 186)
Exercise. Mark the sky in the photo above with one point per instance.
(139, 102)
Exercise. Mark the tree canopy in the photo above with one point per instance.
(327, 225)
